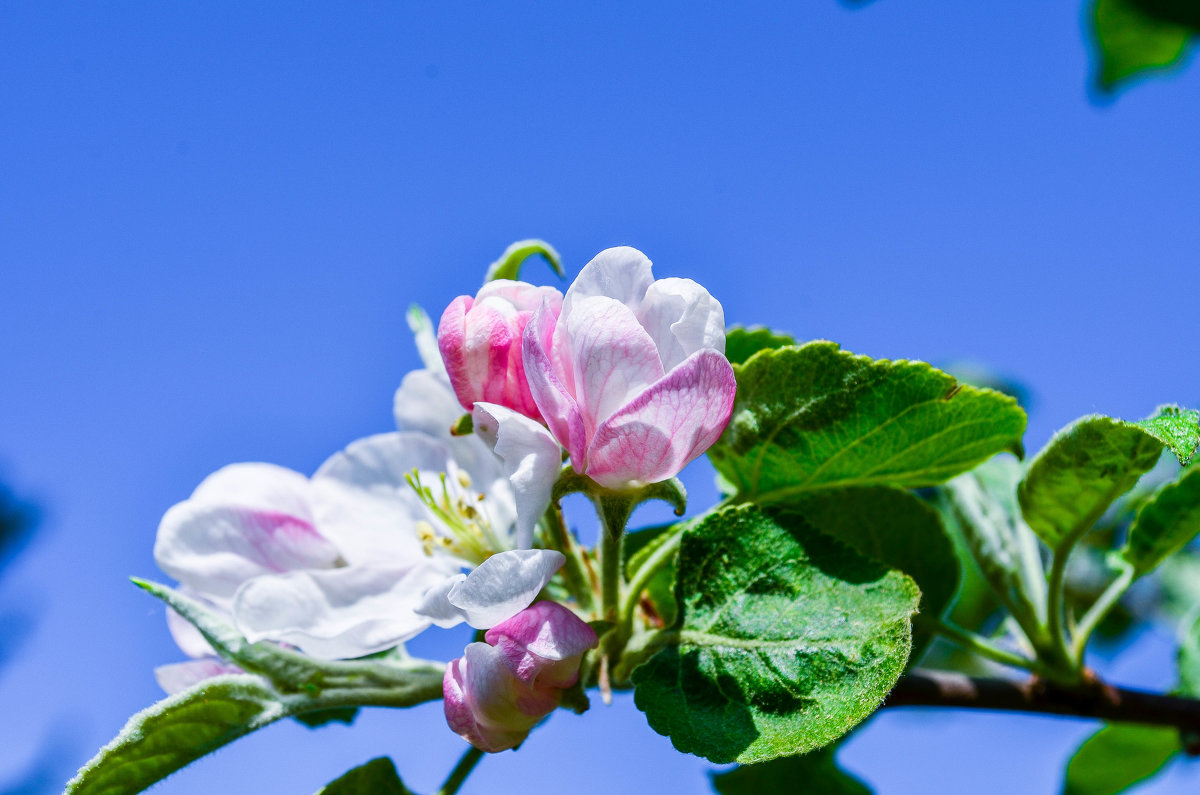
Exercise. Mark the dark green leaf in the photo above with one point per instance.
(1119, 756)
(1132, 39)
(1165, 524)
(816, 417)
(377, 777)
(813, 774)
(510, 262)
(896, 529)
(1178, 429)
(741, 342)
(787, 639)
(177, 731)
(1079, 473)
(315, 720)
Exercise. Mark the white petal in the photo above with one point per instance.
(621, 273)
(186, 636)
(682, 318)
(425, 337)
(504, 585)
(177, 677)
(256, 485)
(436, 606)
(363, 503)
(425, 402)
(532, 460)
(339, 613)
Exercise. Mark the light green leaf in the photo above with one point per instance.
(813, 774)
(1178, 429)
(377, 777)
(743, 342)
(1165, 524)
(816, 417)
(897, 529)
(786, 639)
(1118, 756)
(510, 262)
(179, 730)
(1079, 473)
(1132, 38)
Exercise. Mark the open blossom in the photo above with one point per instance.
(480, 342)
(347, 563)
(499, 690)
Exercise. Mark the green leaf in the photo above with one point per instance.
(1189, 658)
(817, 773)
(510, 262)
(786, 639)
(1079, 473)
(377, 777)
(315, 720)
(660, 590)
(816, 417)
(743, 342)
(1132, 38)
(179, 730)
(897, 529)
(1178, 429)
(1119, 756)
(1165, 524)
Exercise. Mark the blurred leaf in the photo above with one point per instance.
(510, 262)
(815, 417)
(786, 639)
(324, 717)
(1165, 524)
(1136, 36)
(377, 777)
(1189, 658)
(1083, 469)
(1119, 756)
(816, 773)
(743, 342)
(1178, 429)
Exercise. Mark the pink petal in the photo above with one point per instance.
(451, 338)
(553, 396)
(657, 433)
(543, 644)
(682, 318)
(177, 677)
(486, 705)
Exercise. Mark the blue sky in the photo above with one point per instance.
(213, 216)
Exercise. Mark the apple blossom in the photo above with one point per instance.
(499, 690)
(480, 342)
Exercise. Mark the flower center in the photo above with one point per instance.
(464, 528)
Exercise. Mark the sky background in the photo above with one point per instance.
(213, 217)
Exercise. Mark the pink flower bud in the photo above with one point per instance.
(495, 694)
(480, 342)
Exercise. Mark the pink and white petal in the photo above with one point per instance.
(338, 613)
(682, 318)
(621, 273)
(451, 338)
(543, 644)
(257, 485)
(177, 677)
(613, 356)
(554, 397)
(481, 701)
(522, 296)
(504, 584)
(665, 427)
(424, 402)
(363, 503)
(186, 636)
(213, 549)
(532, 460)
(435, 604)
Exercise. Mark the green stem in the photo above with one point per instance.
(1099, 609)
(652, 565)
(984, 647)
(460, 772)
(574, 571)
(1055, 651)
(610, 573)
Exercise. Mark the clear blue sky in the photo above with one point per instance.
(212, 217)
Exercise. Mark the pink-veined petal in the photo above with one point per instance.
(682, 318)
(666, 426)
(621, 273)
(486, 705)
(532, 460)
(177, 677)
(543, 644)
(337, 613)
(554, 398)
(504, 584)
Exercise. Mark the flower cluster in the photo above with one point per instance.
(624, 376)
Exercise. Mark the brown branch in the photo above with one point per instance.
(1093, 699)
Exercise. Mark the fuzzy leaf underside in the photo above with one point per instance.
(786, 639)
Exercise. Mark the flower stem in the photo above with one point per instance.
(460, 772)
(574, 571)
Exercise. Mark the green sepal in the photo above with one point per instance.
(324, 717)
(815, 417)
(510, 262)
(786, 639)
(377, 777)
